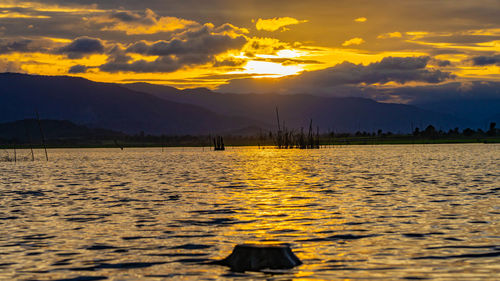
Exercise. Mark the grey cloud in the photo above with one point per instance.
(82, 46)
(201, 41)
(442, 92)
(127, 16)
(8, 46)
(165, 64)
(119, 61)
(75, 69)
(486, 60)
(25, 45)
(395, 69)
(162, 64)
(443, 63)
(192, 47)
(229, 62)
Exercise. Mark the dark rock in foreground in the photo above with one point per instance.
(252, 257)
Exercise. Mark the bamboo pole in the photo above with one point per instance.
(278, 137)
(43, 137)
(29, 141)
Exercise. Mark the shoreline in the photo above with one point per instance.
(248, 143)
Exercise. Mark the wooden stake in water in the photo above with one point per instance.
(41, 134)
(30, 141)
(278, 137)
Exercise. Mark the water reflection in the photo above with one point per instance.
(389, 212)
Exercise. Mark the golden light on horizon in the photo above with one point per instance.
(262, 65)
(270, 69)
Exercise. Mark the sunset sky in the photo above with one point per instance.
(356, 47)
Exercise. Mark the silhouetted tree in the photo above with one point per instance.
(430, 131)
(468, 132)
(416, 132)
(492, 131)
(453, 132)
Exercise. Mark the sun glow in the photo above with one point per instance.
(271, 69)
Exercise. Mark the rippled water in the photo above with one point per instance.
(354, 212)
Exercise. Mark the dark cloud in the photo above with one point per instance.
(82, 46)
(128, 16)
(346, 77)
(75, 69)
(486, 60)
(443, 63)
(449, 91)
(201, 41)
(391, 69)
(162, 64)
(188, 48)
(119, 61)
(25, 45)
(230, 62)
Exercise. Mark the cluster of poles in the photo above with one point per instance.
(219, 143)
(287, 139)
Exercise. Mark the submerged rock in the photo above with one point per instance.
(252, 257)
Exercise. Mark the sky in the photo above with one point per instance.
(395, 51)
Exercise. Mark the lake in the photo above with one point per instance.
(388, 212)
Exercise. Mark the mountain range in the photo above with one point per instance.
(105, 105)
(155, 109)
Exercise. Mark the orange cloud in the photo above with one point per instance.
(141, 23)
(16, 15)
(390, 35)
(361, 19)
(276, 23)
(43, 7)
(353, 41)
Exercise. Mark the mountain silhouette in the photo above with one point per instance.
(154, 109)
(106, 105)
(338, 114)
(479, 111)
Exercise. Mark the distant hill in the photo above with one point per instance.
(28, 130)
(339, 114)
(479, 111)
(106, 105)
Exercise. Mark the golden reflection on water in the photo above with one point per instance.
(273, 193)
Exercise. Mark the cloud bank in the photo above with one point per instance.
(346, 76)
(191, 47)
